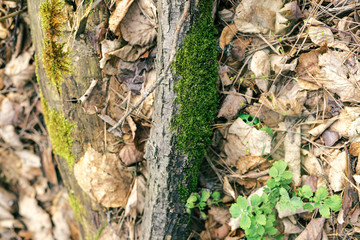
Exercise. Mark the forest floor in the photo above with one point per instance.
(284, 158)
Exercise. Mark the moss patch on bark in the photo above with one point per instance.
(197, 97)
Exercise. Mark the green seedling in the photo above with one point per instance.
(258, 216)
(201, 201)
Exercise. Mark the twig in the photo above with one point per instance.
(13, 14)
(163, 74)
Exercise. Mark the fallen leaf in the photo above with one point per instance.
(260, 66)
(122, 6)
(320, 35)
(103, 178)
(130, 155)
(354, 149)
(330, 137)
(313, 230)
(227, 35)
(246, 163)
(254, 16)
(10, 112)
(35, 218)
(220, 214)
(9, 135)
(269, 117)
(129, 53)
(336, 172)
(94, 98)
(228, 190)
(292, 145)
(223, 73)
(138, 27)
(278, 63)
(136, 202)
(20, 69)
(232, 105)
(291, 228)
(347, 116)
(244, 139)
(354, 131)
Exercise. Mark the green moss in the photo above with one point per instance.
(59, 130)
(55, 59)
(197, 97)
(75, 206)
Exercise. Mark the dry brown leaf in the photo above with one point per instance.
(266, 115)
(220, 214)
(355, 149)
(94, 98)
(231, 105)
(10, 112)
(7, 201)
(354, 131)
(313, 230)
(319, 35)
(129, 53)
(311, 164)
(330, 137)
(278, 63)
(244, 139)
(284, 105)
(122, 6)
(103, 178)
(138, 27)
(227, 35)
(223, 73)
(136, 202)
(318, 130)
(247, 163)
(308, 68)
(130, 155)
(48, 165)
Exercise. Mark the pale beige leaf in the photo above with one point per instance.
(20, 70)
(320, 35)
(244, 139)
(122, 7)
(136, 202)
(129, 53)
(35, 218)
(347, 116)
(130, 155)
(336, 171)
(9, 135)
(103, 178)
(260, 66)
(227, 35)
(228, 190)
(291, 228)
(254, 16)
(138, 27)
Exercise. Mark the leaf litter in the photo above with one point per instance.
(291, 68)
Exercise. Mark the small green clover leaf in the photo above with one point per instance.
(306, 192)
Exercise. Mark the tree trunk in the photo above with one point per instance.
(88, 127)
(164, 215)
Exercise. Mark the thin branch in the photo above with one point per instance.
(163, 74)
(14, 14)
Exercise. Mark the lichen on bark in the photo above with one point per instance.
(197, 97)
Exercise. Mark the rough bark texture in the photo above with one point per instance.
(164, 215)
(88, 127)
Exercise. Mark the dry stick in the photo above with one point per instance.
(164, 73)
(13, 14)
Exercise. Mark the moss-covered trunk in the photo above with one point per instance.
(69, 127)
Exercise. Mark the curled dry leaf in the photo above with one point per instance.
(103, 178)
(122, 6)
(260, 66)
(278, 63)
(228, 190)
(10, 112)
(9, 135)
(232, 105)
(355, 149)
(238, 49)
(244, 139)
(227, 35)
(319, 35)
(311, 164)
(347, 116)
(129, 53)
(138, 27)
(223, 73)
(269, 117)
(330, 137)
(130, 155)
(136, 202)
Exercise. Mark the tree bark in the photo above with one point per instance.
(164, 215)
(88, 127)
